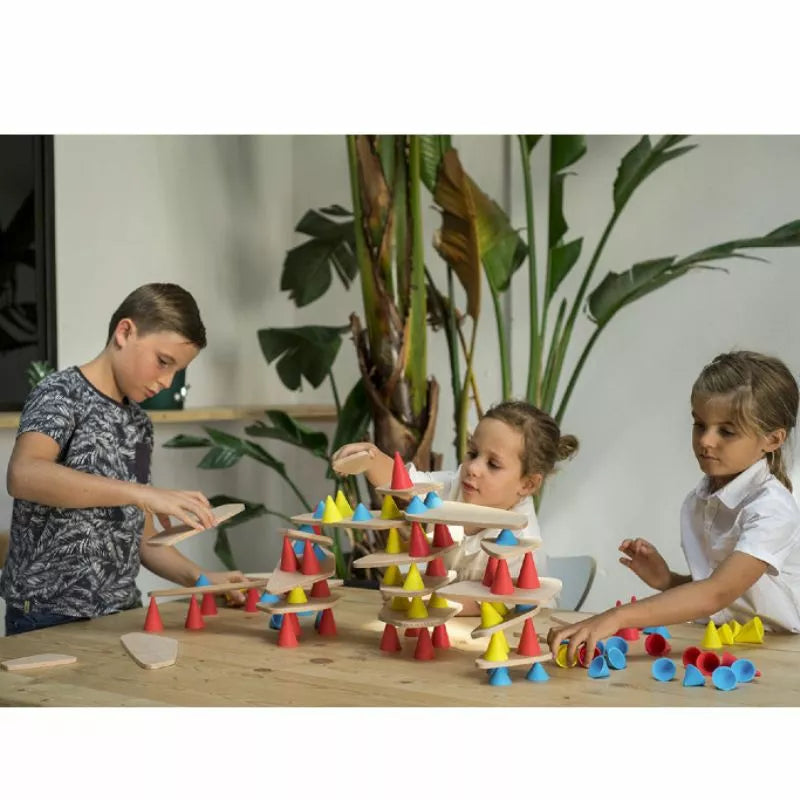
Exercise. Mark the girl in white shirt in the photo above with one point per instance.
(514, 447)
(740, 527)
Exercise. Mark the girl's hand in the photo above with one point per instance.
(643, 559)
(235, 597)
(588, 632)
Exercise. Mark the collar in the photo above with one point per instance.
(734, 493)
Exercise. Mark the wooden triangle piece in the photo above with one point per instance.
(150, 651)
(35, 662)
(453, 512)
(178, 533)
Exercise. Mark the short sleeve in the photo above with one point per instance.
(770, 535)
(49, 410)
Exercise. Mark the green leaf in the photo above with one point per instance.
(565, 151)
(181, 440)
(336, 211)
(562, 259)
(503, 259)
(219, 458)
(222, 550)
(354, 420)
(642, 160)
(530, 141)
(556, 223)
(315, 224)
(308, 352)
(287, 429)
(431, 148)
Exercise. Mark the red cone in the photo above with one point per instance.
(502, 579)
(294, 622)
(528, 643)
(194, 619)
(310, 562)
(252, 600)
(488, 574)
(618, 604)
(400, 477)
(440, 637)
(528, 577)
(690, 655)
(418, 543)
(628, 634)
(287, 636)
(208, 608)
(390, 643)
(317, 530)
(727, 659)
(441, 535)
(412, 631)
(152, 622)
(327, 625)
(320, 589)
(288, 558)
(424, 651)
(436, 568)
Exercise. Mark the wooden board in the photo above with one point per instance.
(214, 588)
(512, 661)
(559, 618)
(474, 590)
(509, 550)
(431, 585)
(180, 532)
(354, 464)
(37, 662)
(384, 559)
(407, 494)
(281, 582)
(514, 618)
(313, 604)
(436, 616)
(305, 536)
(452, 512)
(377, 524)
(150, 651)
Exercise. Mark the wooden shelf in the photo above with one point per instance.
(320, 413)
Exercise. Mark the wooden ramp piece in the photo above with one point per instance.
(150, 651)
(178, 533)
(453, 512)
(36, 662)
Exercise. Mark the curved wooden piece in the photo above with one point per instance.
(281, 582)
(436, 616)
(313, 604)
(453, 512)
(303, 535)
(37, 662)
(150, 651)
(416, 489)
(512, 661)
(474, 590)
(512, 619)
(214, 588)
(510, 550)
(384, 559)
(354, 464)
(432, 584)
(180, 532)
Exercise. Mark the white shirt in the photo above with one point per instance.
(754, 514)
(468, 559)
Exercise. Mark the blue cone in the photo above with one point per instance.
(318, 552)
(663, 631)
(304, 613)
(361, 514)
(320, 510)
(724, 678)
(490, 672)
(416, 506)
(506, 537)
(317, 619)
(298, 546)
(432, 500)
(601, 646)
(663, 669)
(693, 676)
(615, 657)
(202, 581)
(618, 642)
(537, 673)
(521, 609)
(598, 668)
(744, 670)
(305, 528)
(275, 621)
(651, 629)
(268, 598)
(500, 677)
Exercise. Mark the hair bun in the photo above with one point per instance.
(567, 447)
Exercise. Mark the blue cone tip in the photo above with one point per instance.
(320, 510)
(432, 500)
(724, 678)
(275, 621)
(202, 581)
(693, 676)
(500, 677)
(361, 514)
(306, 528)
(416, 506)
(506, 537)
(537, 673)
(663, 669)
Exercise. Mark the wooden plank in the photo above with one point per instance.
(436, 616)
(281, 581)
(452, 512)
(384, 559)
(304, 536)
(178, 533)
(431, 582)
(513, 661)
(473, 590)
(37, 662)
(417, 489)
(509, 550)
(150, 651)
(214, 588)
(376, 524)
(313, 604)
(514, 618)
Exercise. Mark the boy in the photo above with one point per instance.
(80, 470)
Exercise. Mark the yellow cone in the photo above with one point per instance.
(437, 602)
(297, 595)
(341, 503)
(711, 640)
(735, 628)
(417, 609)
(725, 633)
(392, 576)
(413, 581)
(331, 512)
(489, 615)
(561, 657)
(389, 510)
(751, 633)
(400, 604)
(393, 542)
(501, 609)
(497, 649)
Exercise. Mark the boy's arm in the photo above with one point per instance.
(34, 475)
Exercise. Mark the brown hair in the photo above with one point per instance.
(763, 397)
(543, 442)
(158, 307)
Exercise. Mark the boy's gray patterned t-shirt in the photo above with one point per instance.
(82, 562)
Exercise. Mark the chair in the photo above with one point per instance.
(576, 573)
(4, 539)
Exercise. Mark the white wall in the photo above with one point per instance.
(216, 214)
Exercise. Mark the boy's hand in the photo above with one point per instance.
(590, 632)
(191, 508)
(235, 597)
(646, 562)
(351, 449)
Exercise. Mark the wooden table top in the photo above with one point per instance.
(235, 661)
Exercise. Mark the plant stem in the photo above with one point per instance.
(502, 339)
(534, 358)
(464, 399)
(573, 379)
(335, 394)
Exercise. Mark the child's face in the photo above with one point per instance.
(723, 450)
(491, 474)
(144, 365)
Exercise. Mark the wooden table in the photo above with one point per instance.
(235, 661)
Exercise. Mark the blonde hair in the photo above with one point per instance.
(543, 443)
(763, 397)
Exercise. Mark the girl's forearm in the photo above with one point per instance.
(680, 603)
(170, 564)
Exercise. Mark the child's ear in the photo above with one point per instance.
(125, 328)
(531, 484)
(774, 440)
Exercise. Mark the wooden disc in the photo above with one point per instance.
(214, 588)
(384, 559)
(513, 661)
(150, 651)
(436, 616)
(180, 532)
(509, 550)
(514, 618)
(452, 512)
(305, 536)
(431, 585)
(313, 604)
(474, 590)
(37, 662)
(407, 494)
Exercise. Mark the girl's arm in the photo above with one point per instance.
(734, 576)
